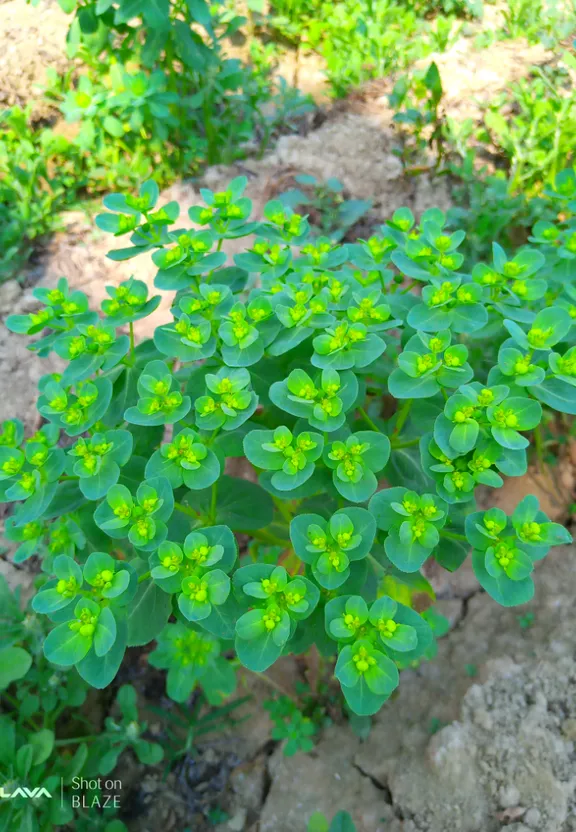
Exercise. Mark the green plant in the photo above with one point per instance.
(462, 8)
(521, 15)
(283, 359)
(38, 176)
(184, 725)
(536, 138)
(291, 724)
(527, 620)
(333, 215)
(546, 21)
(161, 96)
(487, 209)
(417, 102)
(125, 733)
(359, 39)
(341, 822)
(37, 766)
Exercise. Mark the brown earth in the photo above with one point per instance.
(33, 38)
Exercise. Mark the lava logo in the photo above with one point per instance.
(23, 791)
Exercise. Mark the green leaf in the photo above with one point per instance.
(113, 126)
(259, 652)
(98, 485)
(362, 700)
(557, 394)
(149, 612)
(15, 663)
(406, 556)
(317, 823)
(105, 634)
(342, 822)
(241, 505)
(402, 386)
(502, 589)
(42, 743)
(65, 646)
(98, 671)
(463, 437)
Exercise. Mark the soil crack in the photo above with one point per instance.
(382, 787)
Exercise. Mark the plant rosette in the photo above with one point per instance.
(159, 403)
(143, 519)
(505, 549)
(323, 402)
(186, 460)
(279, 602)
(191, 657)
(355, 462)
(226, 401)
(427, 364)
(291, 458)
(328, 547)
(197, 571)
(413, 524)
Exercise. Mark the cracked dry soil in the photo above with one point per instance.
(503, 697)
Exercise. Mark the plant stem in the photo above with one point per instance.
(132, 355)
(368, 420)
(283, 509)
(15, 704)
(69, 740)
(402, 416)
(213, 499)
(539, 444)
(268, 537)
(144, 577)
(408, 444)
(187, 510)
(453, 535)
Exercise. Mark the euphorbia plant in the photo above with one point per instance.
(371, 388)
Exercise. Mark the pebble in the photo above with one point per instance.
(532, 818)
(10, 291)
(569, 729)
(237, 821)
(509, 796)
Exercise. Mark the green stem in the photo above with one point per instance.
(132, 356)
(402, 416)
(70, 740)
(368, 420)
(283, 509)
(213, 437)
(453, 535)
(268, 537)
(408, 444)
(539, 444)
(186, 510)
(144, 577)
(17, 705)
(213, 500)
